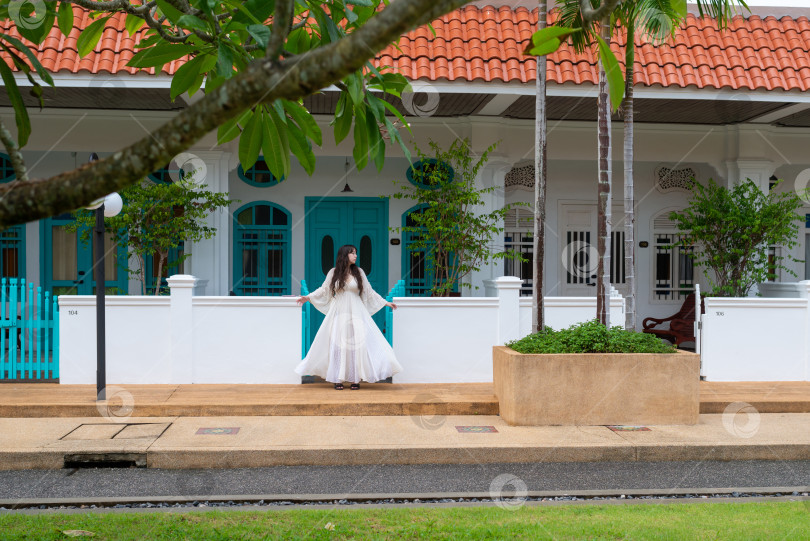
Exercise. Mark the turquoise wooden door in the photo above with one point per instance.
(68, 268)
(331, 223)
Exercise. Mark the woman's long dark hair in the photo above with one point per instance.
(343, 268)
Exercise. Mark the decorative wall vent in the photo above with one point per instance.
(675, 180)
(520, 177)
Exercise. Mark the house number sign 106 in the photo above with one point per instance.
(721, 314)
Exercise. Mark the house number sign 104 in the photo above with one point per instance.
(73, 312)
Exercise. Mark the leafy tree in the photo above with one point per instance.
(731, 231)
(451, 231)
(254, 60)
(156, 218)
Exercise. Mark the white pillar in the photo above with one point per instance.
(804, 286)
(508, 308)
(181, 325)
(210, 257)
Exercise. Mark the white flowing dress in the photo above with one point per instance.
(349, 346)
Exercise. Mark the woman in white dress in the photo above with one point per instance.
(348, 346)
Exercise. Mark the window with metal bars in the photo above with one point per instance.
(261, 263)
(517, 236)
(673, 268)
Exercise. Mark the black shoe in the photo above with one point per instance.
(338, 386)
(355, 386)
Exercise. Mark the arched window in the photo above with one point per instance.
(416, 265)
(261, 249)
(259, 175)
(429, 173)
(673, 276)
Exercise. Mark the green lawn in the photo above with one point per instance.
(771, 521)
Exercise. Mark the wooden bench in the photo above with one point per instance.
(681, 325)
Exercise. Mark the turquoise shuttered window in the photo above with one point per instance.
(261, 250)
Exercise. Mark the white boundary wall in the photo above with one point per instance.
(230, 340)
(182, 339)
(756, 339)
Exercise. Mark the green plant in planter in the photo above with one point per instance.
(590, 337)
(450, 229)
(732, 229)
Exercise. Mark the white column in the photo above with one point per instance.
(210, 257)
(508, 308)
(805, 294)
(492, 175)
(182, 326)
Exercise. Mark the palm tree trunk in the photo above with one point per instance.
(629, 197)
(538, 238)
(603, 194)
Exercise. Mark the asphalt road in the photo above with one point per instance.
(399, 479)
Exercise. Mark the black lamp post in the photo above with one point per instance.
(113, 208)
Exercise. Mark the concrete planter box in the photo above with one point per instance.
(597, 388)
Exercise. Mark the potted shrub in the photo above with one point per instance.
(590, 375)
(450, 229)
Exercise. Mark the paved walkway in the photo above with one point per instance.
(54, 400)
(232, 426)
(259, 441)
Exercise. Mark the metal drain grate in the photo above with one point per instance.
(105, 460)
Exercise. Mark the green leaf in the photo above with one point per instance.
(64, 18)
(260, 33)
(614, 74)
(160, 54)
(355, 85)
(20, 112)
(192, 22)
(679, 6)
(171, 12)
(32, 57)
(281, 132)
(365, 3)
(304, 119)
(89, 37)
(185, 76)
(132, 24)
(361, 137)
(250, 143)
(253, 11)
(542, 38)
(228, 131)
(545, 48)
(302, 149)
(275, 145)
(36, 25)
(343, 123)
(376, 142)
(224, 61)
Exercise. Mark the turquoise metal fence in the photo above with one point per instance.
(306, 340)
(397, 291)
(29, 332)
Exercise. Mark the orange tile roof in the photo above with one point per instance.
(485, 44)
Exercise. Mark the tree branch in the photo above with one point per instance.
(282, 23)
(13, 150)
(590, 14)
(261, 81)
